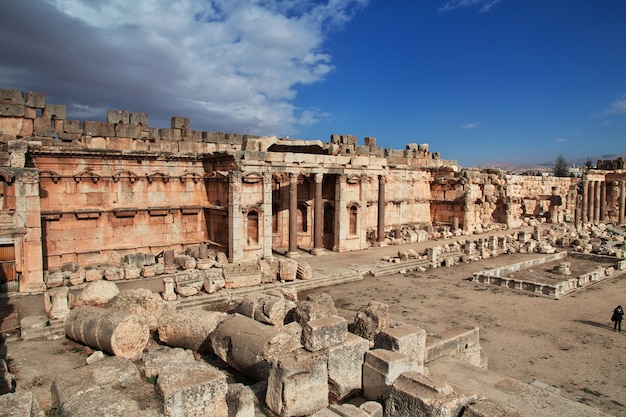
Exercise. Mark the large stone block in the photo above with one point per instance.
(406, 339)
(11, 97)
(345, 367)
(308, 310)
(380, 370)
(461, 342)
(193, 390)
(297, 383)
(190, 328)
(164, 357)
(242, 275)
(414, 394)
(11, 110)
(287, 269)
(70, 389)
(56, 111)
(370, 320)
(323, 333)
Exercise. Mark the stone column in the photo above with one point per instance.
(267, 216)
(341, 214)
(603, 201)
(585, 202)
(622, 201)
(380, 241)
(588, 202)
(236, 233)
(318, 216)
(27, 217)
(293, 215)
(596, 203)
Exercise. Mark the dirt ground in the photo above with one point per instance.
(567, 343)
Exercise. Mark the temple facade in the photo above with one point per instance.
(87, 193)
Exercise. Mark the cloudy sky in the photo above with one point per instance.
(481, 81)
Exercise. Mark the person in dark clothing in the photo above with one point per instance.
(618, 315)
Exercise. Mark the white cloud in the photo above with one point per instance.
(483, 5)
(228, 65)
(312, 116)
(618, 106)
(560, 139)
(473, 125)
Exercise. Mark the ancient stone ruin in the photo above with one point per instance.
(221, 222)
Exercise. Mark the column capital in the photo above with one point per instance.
(234, 176)
(318, 177)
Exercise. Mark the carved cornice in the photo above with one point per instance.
(188, 175)
(131, 176)
(54, 176)
(86, 175)
(164, 176)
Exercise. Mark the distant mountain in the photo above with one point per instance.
(516, 166)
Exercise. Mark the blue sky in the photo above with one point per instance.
(481, 81)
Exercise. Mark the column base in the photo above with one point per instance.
(379, 244)
(318, 251)
(293, 255)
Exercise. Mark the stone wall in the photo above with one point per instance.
(91, 191)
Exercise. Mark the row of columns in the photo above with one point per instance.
(236, 217)
(318, 214)
(594, 201)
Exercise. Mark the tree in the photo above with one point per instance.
(588, 165)
(560, 167)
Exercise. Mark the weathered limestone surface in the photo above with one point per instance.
(56, 303)
(97, 293)
(345, 367)
(164, 358)
(308, 310)
(322, 333)
(189, 329)
(461, 342)
(20, 404)
(380, 370)
(414, 395)
(266, 308)
(193, 390)
(297, 383)
(370, 320)
(240, 400)
(113, 332)
(140, 302)
(98, 390)
(250, 346)
(406, 339)
(288, 269)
